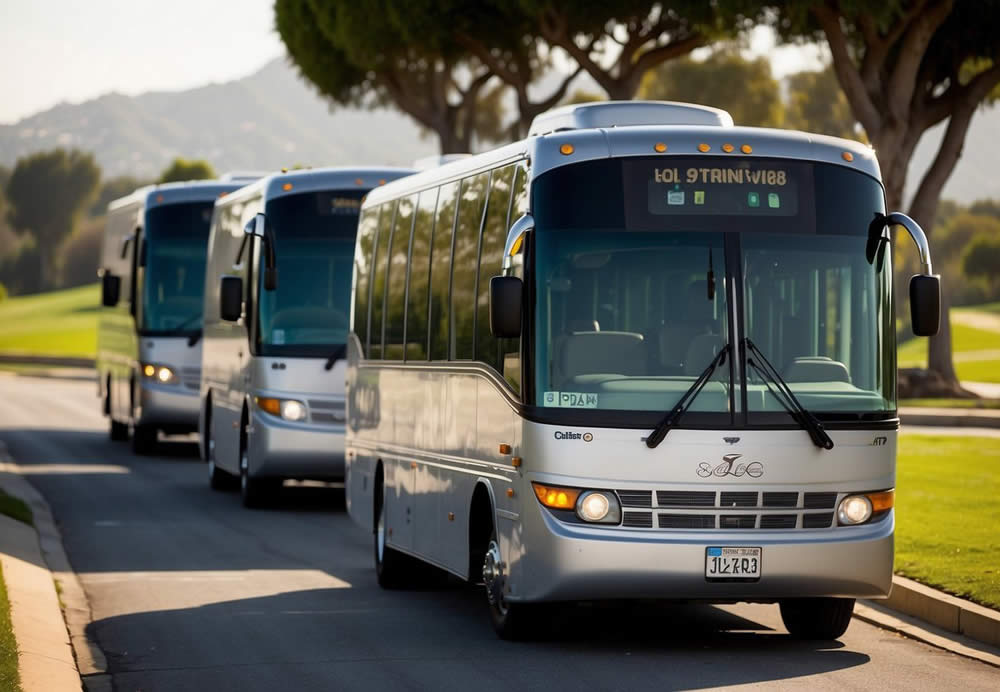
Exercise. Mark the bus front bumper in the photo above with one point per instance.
(280, 449)
(169, 407)
(579, 562)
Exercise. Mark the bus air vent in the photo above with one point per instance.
(685, 498)
(821, 520)
(638, 520)
(777, 521)
(820, 500)
(686, 521)
(738, 499)
(581, 116)
(738, 521)
(781, 499)
(636, 498)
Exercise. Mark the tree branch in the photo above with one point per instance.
(847, 73)
(903, 81)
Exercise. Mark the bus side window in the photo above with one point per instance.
(381, 264)
(419, 276)
(395, 301)
(441, 249)
(362, 273)
(463, 284)
(510, 349)
(490, 260)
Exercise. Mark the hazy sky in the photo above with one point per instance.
(74, 50)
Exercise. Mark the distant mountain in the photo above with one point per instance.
(273, 118)
(261, 122)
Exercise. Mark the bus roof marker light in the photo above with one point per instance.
(159, 198)
(703, 147)
(727, 147)
(358, 181)
(566, 149)
(286, 187)
(505, 448)
(746, 149)
(847, 156)
(659, 147)
(515, 462)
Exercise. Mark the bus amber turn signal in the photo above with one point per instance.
(556, 498)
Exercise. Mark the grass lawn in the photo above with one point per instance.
(9, 677)
(948, 514)
(61, 323)
(951, 403)
(965, 342)
(16, 509)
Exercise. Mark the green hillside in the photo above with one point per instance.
(60, 323)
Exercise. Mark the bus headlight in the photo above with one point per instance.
(160, 373)
(288, 409)
(598, 506)
(854, 509)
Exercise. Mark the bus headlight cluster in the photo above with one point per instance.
(159, 373)
(590, 506)
(288, 409)
(859, 508)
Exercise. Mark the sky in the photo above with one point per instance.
(74, 50)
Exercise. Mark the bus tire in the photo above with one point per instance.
(817, 618)
(511, 621)
(118, 431)
(392, 568)
(255, 492)
(143, 439)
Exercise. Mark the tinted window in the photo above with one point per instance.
(395, 304)
(439, 317)
(362, 273)
(510, 349)
(314, 240)
(174, 242)
(417, 293)
(386, 213)
(490, 258)
(466, 260)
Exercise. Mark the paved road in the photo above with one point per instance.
(191, 592)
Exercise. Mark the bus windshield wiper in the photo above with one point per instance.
(337, 355)
(763, 367)
(682, 405)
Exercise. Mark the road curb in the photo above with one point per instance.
(86, 657)
(945, 611)
(950, 418)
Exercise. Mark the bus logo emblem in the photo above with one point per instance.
(729, 467)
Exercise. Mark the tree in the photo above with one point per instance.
(905, 66)
(725, 80)
(114, 188)
(618, 43)
(982, 260)
(816, 103)
(180, 170)
(355, 53)
(46, 193)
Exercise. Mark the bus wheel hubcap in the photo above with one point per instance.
(493, 575)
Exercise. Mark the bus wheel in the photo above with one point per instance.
(143, 439)
(118, 431)
(391, 566)
(817, 618)
(217, 478)
(512, 621)
(254, 491)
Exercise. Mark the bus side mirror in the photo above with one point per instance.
(110, 289)
(255, 226)
(505, 307)
(230, 298)
(925, 304)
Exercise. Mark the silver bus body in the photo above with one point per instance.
(441, 445)
(247, 363)
(155, 323)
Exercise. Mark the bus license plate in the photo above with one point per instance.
(733, 563)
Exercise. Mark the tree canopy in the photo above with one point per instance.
(180, 170)
(46, 194)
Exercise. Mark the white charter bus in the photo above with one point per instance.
(642, 353)
(153, 274)
(277, 301)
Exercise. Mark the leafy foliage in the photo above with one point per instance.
(982, 260)
(180, 170)
(816, 103)
(725, 80)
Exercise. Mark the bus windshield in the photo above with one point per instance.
(308, 313)
(635, 278)
(174, 278)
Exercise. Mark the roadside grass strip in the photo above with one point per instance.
(10, 679)
(15, 509)
(951, 403)
(948, 515)
(976, 352)
(60, 323)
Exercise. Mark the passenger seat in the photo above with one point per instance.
(602, 353)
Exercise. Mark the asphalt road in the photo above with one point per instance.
(189, 591)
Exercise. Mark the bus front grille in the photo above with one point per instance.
(191, 377)
(326, 412)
